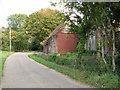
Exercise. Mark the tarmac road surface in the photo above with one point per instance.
(22, 72)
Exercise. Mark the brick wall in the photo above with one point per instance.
(66, 42)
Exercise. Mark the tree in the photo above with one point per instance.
(17, 40)
(41, 23)
(96, 16)
(16, 21)
(5, 41)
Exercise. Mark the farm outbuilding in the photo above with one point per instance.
(60, 41)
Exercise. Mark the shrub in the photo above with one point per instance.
(89, 53)
(54, 54)
(87, 63)
(60, 61)
(68, 54)
(52, 57)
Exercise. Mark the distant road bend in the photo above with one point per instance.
(22, 72)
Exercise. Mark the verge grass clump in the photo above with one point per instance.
(3, 57)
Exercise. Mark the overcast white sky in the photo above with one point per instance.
(8, 7)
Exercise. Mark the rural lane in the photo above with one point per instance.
(22, 72)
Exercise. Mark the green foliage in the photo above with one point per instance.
(53, 3)
(94, 15)
(29, 31)
(117, 41)
(53, 57)
(118, 64)
(15, 21)
(41, 23)
(5, 41)
(88, 61)
(68, 54)
(100, 16)
(89, 53)
(54, 54)
(35, 45)
(80, 49)
(17, 41)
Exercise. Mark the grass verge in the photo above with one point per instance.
(3, 57)
(107, 80)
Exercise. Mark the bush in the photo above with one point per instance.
(118, 64)
(87, 63)
(53, 57)
(68, 54)
(89, 53)
(60, 61)
(6, 48)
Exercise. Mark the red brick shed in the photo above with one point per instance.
(60, 41)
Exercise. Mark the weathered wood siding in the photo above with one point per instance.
(51, 47)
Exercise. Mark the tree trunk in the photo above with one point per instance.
(96, 37)
(92, 41)
(99, 45)
(103, 52)
(88, 42)
(113, 52)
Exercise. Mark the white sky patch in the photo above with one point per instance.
(1, 13)
(9, 7)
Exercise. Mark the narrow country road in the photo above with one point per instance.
(22, 72)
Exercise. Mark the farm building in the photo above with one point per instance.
(60, 41)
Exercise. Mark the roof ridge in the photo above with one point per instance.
(52, 33)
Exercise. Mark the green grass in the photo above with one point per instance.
(3, 57)
(105, 80)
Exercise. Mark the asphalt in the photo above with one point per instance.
(22, 72)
